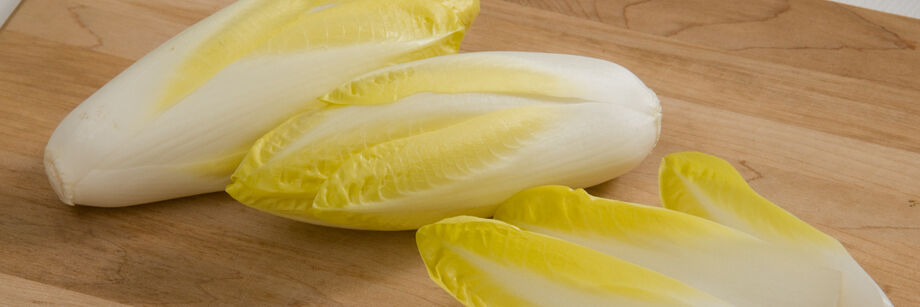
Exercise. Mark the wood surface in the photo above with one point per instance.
(817, 103)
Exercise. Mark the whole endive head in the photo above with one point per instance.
(179, 120)
(411, 144)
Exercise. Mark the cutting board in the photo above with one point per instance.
(816, 103)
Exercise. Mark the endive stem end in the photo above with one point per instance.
(63, 191)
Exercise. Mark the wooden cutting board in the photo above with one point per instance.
(818, 105)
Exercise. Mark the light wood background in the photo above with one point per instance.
(817, 103)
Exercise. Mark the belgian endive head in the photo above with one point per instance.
(180, 119)
(411, 144)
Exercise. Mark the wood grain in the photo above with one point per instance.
(18, 291)
(815, 102)
(817, 35)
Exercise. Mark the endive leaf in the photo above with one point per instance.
(719, 260)
(180, 119)
(489, 263)
(550, 77)
(711, 188)
(396, 151)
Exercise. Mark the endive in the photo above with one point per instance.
(180, 119)
(411, 144)
(729, 264)
(709, 187)
(489, 263)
